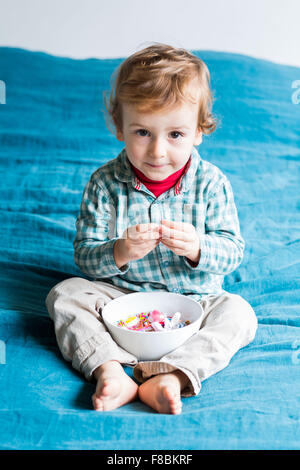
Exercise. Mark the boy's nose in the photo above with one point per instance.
(157, 149)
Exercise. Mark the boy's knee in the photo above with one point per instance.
(68, 288)
(245, 314)
(71, 285)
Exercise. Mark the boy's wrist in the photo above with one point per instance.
(120, 260)
(194, 258)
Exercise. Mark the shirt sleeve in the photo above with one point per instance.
(222, 245)
(95, 230)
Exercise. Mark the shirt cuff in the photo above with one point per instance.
(103, 262)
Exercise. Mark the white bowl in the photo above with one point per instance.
(151, 346)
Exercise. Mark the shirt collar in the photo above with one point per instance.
(123, 171)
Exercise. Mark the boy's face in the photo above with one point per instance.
(160, 143)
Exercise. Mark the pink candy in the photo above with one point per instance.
(156, 316)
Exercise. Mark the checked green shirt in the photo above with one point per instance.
(115, 199)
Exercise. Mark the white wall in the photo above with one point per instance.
(268, 29)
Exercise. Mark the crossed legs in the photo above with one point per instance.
(229, 323)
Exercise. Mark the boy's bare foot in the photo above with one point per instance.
(163, 391)
(114, 387)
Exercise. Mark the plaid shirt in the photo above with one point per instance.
(115, 199)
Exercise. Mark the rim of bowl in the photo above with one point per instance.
(161, 331)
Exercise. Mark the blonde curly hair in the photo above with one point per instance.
(158, 77)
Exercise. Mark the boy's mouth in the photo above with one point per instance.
(156, 166)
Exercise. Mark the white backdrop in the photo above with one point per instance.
(268, 29)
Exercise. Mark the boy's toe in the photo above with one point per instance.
(97, 403)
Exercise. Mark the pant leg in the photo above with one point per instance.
(75, 305)
(229, 323)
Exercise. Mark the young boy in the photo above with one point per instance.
(156, 217)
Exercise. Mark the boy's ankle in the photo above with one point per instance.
(183, 379)
(106, 365)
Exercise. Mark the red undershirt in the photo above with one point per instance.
(159, 187)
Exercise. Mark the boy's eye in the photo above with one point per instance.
(176, 134)
(142, 132)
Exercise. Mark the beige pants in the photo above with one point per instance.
(229, 323)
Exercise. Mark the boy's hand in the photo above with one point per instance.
(181, 238)
(136, 242)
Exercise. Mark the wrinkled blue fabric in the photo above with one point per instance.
(52, 137)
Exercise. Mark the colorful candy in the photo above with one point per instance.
(152, 321)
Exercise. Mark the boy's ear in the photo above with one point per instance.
(198, 137)
(120, 135)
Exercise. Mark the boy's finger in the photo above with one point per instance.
(182, 226)
(141, 228)
(167, 232)
(149, 236)
(135, 230)
(153, 226)
(168, 223)
(147, 227)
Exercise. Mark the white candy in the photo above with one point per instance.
(156, 326)
(175, 319)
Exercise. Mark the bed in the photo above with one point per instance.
(52, 137)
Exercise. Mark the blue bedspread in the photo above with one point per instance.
(52, 137)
